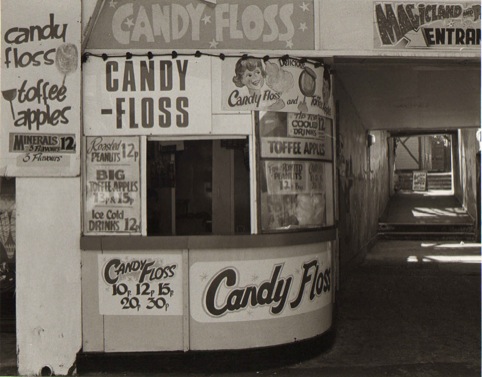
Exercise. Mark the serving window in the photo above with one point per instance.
(295, 159)
(203, 186)
(198, 187)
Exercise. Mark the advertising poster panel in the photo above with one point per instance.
(296, 172)
(286, 85)
(41, 88)
(298, 195)
(427, 25)
(112, 185)
(142, 96)
(206, 24)
(306, 136)
(140, 284)
(251, 290)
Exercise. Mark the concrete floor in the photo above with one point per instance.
(427, 207)
(412, 308)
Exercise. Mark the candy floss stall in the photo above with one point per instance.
(170, 199)
(208, 195)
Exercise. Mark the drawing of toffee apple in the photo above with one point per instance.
(10, 95)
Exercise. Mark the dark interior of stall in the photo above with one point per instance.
(7, 253)
(198, 187)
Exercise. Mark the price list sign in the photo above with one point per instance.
(112, 186)
(146, 284)
(287, 177)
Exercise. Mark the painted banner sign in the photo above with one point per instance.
(204, 24)
(142, 96)
(41, 88)
(112, 186)
(238, 291)
(140, 284)
(309, 137)
(427, 25)
(285, 85)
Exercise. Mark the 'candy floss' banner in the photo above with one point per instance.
(40, 88)
(196, 24)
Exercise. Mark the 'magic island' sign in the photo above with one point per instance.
(427, 25)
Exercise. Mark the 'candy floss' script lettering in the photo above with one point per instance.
(273, 292)
(115, 269)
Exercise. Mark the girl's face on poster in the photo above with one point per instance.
(253, 80)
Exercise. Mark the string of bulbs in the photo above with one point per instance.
(174, 55)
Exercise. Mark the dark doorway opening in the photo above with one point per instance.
(7, 254)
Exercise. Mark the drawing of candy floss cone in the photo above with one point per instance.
(66, 59)
(307, 84)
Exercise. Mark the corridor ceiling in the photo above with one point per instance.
(408, 95)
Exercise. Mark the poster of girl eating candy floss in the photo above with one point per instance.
(276, 84)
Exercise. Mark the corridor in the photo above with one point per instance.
(412, 308)
(428, 207)
(435, 214)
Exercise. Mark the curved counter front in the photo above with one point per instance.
(149, 294)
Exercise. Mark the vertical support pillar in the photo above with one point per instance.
(48, 267)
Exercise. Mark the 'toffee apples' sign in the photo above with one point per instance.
(40, 88)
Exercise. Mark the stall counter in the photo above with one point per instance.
(154, 294)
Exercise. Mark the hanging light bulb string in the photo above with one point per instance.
(174, 55)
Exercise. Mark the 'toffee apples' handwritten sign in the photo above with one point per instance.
(40, 88)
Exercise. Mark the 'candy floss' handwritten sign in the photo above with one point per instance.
(40, 88)
(140, 284)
